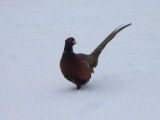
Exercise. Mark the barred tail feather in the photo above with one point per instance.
(99, 49)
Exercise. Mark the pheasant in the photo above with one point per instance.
(77, 68)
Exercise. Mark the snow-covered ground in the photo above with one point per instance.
(126, 83)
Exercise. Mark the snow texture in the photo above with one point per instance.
(126, 83)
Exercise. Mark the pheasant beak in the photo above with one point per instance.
(74, 42)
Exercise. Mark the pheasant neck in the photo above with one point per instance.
(68, 48)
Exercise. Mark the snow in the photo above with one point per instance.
(126, 83)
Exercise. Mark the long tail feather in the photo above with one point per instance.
(99, 49)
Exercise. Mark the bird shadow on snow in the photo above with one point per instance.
(106, 83)
(72, 88)
(89, 87)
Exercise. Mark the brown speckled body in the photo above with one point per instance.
(75, 68)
